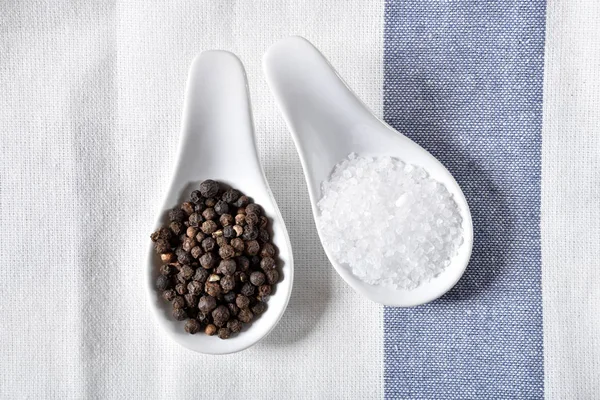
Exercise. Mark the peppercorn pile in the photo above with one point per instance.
(218, 262)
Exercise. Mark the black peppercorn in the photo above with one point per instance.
(227, 283)
(209, 188)
(209, 214)
(259, 308)
(226, 267)
(191, 301)
(167, 270)
(263, 236)
(165, 233)
(224, 333)
(251, 219)
(187, 272)
(209, 227)
(208, 261)
(162, 246)
(195, 220)
(213, 289)
(193, 326)
(220, 316)
(176, 214)
(242, 201)
(188, 244)
(268, 250)
(229, 297)
(179, 251)
(206, 304)
(169, 294)
(163, 282)
(191, 231)
(264, 291)
(272, 276)
(242, 301)
(177, 227)
(222, 241)
(178, 302)
(216, 228)
(257, 278)
(179, 314)
(230, 196)
(187, 207)
(240, 220)
(209, 244)
(185, 258)
(264, 222)
(168, 257)
(229, 232)
(195, 288)
(243, 263)
(181, 288)
(159, 235)
(233, 309)
(252, 247)
(200, 236)
(226, 220)
(196, 251)
(267, 263)
(247, 289)
(210, 202)
(196, 197)
(253, 209)
(221, 207)
(201, 275)
(250, 232)
(210, 329)
(226, 252)
(234, 325)
(238, 245)
(245, 315)
(180, 278)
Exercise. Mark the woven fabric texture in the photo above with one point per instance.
(464, 80)
(91, 96)
(571, 199)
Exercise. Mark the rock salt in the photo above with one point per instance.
(388, 222)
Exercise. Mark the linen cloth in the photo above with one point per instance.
(90, 103)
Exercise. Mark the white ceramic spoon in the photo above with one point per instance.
(328, 122)
(217, 142)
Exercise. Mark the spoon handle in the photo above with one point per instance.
(216, 102)
(326, 119)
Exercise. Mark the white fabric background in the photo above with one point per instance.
(90, 103)
(571, 200)
(91, 97)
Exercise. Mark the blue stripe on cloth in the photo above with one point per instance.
(463, 78)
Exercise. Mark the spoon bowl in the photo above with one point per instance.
(328, 122)
(217, 142)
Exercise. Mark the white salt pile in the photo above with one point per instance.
(388, 221)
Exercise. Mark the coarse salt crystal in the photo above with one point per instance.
(388, 221)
